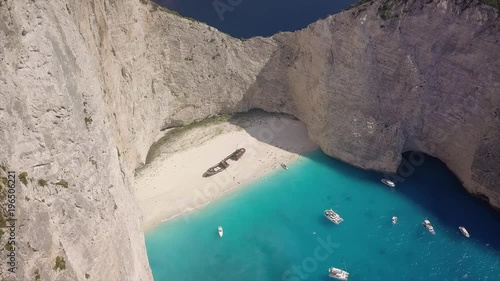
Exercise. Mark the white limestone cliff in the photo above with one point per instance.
(86, 87)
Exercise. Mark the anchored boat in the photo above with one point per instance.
(338, 274)
(388, 182)
(427, 224)
(284, 166)
(394, 220)
(464, 231)
(221, 231)
(333, 217)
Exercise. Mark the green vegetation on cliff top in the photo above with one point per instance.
(179, 131)
(60, 263)
(492, 3)
(156, 7)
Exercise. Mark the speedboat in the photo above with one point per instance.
(388, 182)
(394, 220)
(427, 224)
(284, 166)
(464, 231)
(221, 231)
(333, 217)
(338, 274)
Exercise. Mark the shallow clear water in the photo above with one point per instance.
(247, 18)
(274, 229)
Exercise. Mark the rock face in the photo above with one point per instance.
(86, 86)
(57, 126)
(388, 77)
(426, 79)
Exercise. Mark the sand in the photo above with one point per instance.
(172, 184)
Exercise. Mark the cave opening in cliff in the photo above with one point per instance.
(245, 19)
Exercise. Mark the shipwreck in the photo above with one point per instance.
(222, 165)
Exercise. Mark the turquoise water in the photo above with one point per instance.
(274, 229)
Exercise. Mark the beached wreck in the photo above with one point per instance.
(222, 165)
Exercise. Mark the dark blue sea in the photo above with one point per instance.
(274, 229)
(247, 18)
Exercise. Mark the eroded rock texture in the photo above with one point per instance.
(86, 86)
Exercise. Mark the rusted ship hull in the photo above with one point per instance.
(222, 165)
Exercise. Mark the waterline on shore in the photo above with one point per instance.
(273, 228)
(173, 183)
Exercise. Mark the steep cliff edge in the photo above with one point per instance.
(86, 86)
(76, 215)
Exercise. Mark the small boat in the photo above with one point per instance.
(464, 231)
(427, 224)
(284, 166)
(333, 217)
(388, 182)
(338, 274)
(221, 231)
(394, 220)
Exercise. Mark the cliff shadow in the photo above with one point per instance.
(279, 130)
(429, 184)
(290, 134)
(435, 188)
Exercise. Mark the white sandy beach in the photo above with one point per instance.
(173, 184)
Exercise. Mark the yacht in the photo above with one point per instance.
(388, 182)
(333, 217)
(221, 231)
(427, 224)
(464, 231)
(284, 166)
(338, 274)
(394, 220)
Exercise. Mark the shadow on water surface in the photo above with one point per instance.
(434, 187)
(430, 186)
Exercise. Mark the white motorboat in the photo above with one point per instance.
(394, 220)
(338, 274)
(388, 182)
(427, 224)
(333, 217)
(221, 231)
(284, 166)
(464, 231)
